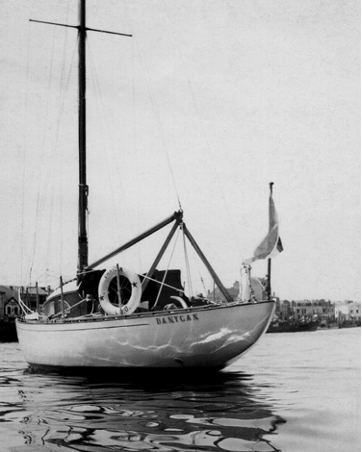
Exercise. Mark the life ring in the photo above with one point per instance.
(103, 291)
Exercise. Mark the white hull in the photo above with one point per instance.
(199, 337)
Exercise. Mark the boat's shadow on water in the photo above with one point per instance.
(156, 410)
(149, 378)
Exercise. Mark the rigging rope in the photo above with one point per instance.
(202, 128)
(168, 266)
(187, 263)
(48, 175)
(41, 200)
(203, 284)
(111, 155)
(24, 154)
(159, 124)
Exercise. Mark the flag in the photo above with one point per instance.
(271, 246)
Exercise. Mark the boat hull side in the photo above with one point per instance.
(190, 338)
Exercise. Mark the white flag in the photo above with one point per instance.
(271, 246)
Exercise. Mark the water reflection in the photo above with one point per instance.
(148, 411)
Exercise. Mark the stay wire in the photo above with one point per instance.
(207, 144)
(111, 156)
(187, 263)
(159, 124)
(43, 185)
(41, 199)
(25, 140)
(168, 266)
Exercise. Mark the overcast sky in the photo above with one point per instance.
(207, 103)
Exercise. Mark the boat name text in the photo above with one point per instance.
(177, 318)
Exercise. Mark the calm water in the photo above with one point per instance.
(292, 392)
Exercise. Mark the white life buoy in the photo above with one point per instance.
(103, 294)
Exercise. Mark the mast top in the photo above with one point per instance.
(83, 187)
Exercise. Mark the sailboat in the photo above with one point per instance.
(117, 318)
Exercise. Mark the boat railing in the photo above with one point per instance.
(67, 310)
(26, 310)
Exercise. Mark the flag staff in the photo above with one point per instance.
(269, 260)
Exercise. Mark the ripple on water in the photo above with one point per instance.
(85, 414)
(294, 401)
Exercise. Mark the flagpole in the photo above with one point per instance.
(269, 260)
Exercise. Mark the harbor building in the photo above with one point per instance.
(287, 310)
(305, 308)
(348, 311)
(9, 306)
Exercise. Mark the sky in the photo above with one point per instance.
(206, 104)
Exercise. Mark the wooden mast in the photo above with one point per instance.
(83, 188)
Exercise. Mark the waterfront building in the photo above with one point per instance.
(348, 311)
(326, 311)
(9, 306)
(322, 308)
(296, 310)
(284, 310)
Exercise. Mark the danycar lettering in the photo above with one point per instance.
(176, 318)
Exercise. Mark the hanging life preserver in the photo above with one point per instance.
(103, 291)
